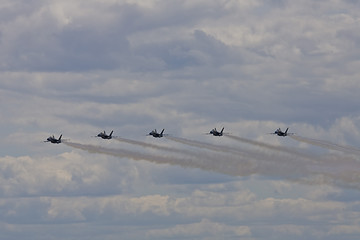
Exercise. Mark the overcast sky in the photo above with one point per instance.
(80, 67)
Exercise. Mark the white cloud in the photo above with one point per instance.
(79, 67)
(205, 213)
(340, 230)
(205, 228)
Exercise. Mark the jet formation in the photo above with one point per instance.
(156, 134)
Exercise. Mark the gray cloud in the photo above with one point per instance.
(81, 67)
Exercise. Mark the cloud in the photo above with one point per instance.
(83, 191)
(205, 228)
(66, 174)
(203, 213)
(78, 36)
(80, 67)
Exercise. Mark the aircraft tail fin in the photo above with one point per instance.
(222, 130)
(111, 133)
(60, 137)
(162, 132)
(286, 130)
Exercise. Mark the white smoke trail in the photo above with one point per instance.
(209, 146)
(292, 155)
(153, 146)
(221, 163)
(206, 163)
(327, 170)
(237, 154)
(336, 170)
(270, 147)
(328, 145)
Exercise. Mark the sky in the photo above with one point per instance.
(80, 67)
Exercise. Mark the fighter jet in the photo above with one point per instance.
(216, 133)
(281, 133)
(155, 134)
(52, 139)
(103, 135)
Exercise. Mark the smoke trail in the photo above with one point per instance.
(328, 145)
(199, 155)
(327, 170)
(153, 146)
(208, 146)
(338, 170)
(234, 168)
(221, 149)
(293, 155)
(270, 147)
(225, 164)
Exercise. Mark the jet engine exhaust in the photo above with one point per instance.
(328, 145)
(323, 170)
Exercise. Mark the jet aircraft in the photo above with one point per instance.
(281, 133)
(216, 133)
(103, 135)
(52, 139)
(155, 134)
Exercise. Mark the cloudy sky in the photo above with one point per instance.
(80, 67)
